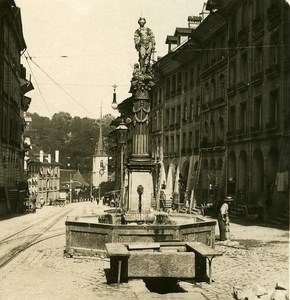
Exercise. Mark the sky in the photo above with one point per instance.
(77, 50)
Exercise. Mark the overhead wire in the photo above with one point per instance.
(195, 49)
(39, 90)
(59, 86)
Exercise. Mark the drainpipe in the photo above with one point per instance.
(227, 18)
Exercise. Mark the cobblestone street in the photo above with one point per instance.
(256, 256)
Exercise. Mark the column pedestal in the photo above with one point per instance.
(139, 173)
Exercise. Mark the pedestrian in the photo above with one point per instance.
(223, 219)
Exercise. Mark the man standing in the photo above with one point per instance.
(144, 40)
(223, 220)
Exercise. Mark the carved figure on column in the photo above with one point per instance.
(144, 40)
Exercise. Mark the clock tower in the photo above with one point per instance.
(100, 162)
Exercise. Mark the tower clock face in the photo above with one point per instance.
(102, 172)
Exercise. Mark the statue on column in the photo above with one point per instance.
(144, 40)
(142, 79)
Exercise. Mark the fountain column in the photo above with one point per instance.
(140, 166)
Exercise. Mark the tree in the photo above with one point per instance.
(75, 138)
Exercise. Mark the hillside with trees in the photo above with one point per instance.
(74, 137)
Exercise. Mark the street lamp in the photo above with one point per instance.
(121, 132)
(114, 104)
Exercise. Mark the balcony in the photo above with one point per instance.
(273, 71)
(176, 125)
(256, 129)
(231, 134)
(14, 143)
(242, 86)
(4, 140)
(196, 150)
(287, 63)
(257, 78)
(258, 27)
(232, 90)
(243, 36)
(189, 151)
(220, 100)
(183, 151)
(232, 44)
(241, 132)
(274, 15)
(204, 106)
(220, 143)
(232, 41)
(271, 126)
(206, 66)
(205, 143)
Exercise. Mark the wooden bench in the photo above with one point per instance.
(118, 254)
(203, 253)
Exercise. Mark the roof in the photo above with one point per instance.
(171, 39)
(34, 155)
(183, 31)
(194, 18)
(79, 178)
(71, 175)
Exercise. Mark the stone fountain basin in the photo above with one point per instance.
(85, 235)
(150, 260)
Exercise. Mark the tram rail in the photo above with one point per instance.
(34, 239)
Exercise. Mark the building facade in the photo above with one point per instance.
(13, 103)
(43, 177)
(220, 107)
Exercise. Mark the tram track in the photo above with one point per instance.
(9, 237)
(15, 251)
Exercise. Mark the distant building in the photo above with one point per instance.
(13, 103)
(43, 176)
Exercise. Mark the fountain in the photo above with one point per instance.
(140, 223)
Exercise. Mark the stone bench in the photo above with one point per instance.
(118, 254)
(203, 252)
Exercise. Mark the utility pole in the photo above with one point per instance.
(70, 188)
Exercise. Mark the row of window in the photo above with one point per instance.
(214, 134)
(258, 114)
(216, 88)
(240, 20)
(258, 54)
(47, 188)
(172, 143)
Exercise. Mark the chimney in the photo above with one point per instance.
(194, 21)
(56, 156)
(41, 156)
(49, 158)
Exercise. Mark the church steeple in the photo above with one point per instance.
(100, 159)
(99, 149)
